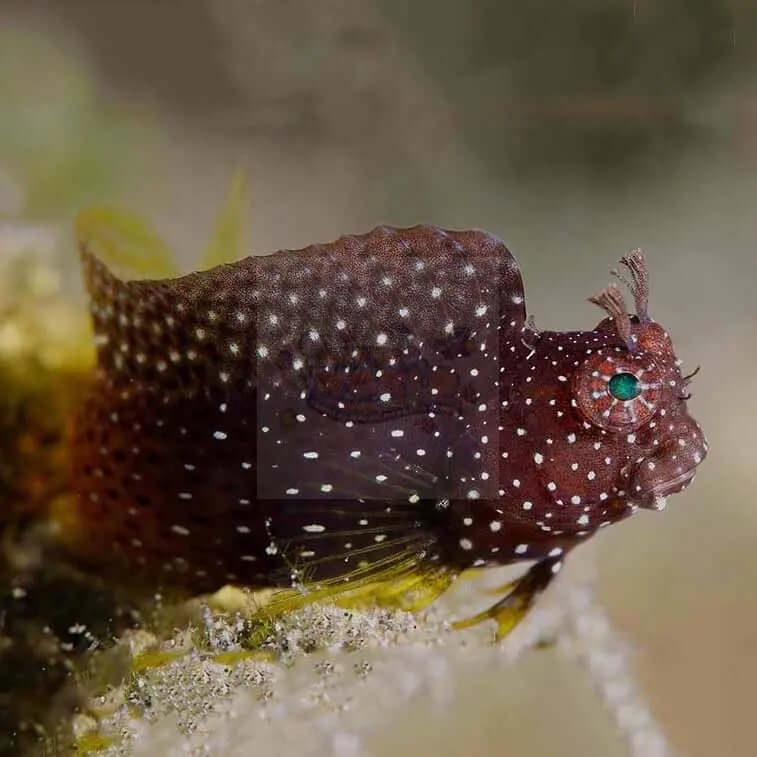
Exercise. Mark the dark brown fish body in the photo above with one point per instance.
(356, 404)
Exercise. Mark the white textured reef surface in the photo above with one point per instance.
(375, 683)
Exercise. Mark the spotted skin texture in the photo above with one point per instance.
(374, 402)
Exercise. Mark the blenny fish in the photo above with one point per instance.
(377, 411)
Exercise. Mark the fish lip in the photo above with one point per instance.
(654, 498)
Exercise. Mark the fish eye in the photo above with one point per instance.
(624, 386)
(617, 392)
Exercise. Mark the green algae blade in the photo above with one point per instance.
(229, 239)
(148, 660)
(122, 240)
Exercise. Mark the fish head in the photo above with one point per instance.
(601, 416)
(637, 390)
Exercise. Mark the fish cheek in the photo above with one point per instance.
(576, 472)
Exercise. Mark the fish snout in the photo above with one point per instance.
(670, 469)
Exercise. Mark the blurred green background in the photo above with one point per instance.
(574, 130)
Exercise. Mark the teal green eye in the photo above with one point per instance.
(625, 386)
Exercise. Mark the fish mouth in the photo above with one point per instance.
(654, 498)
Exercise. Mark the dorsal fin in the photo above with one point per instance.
(276, 318)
